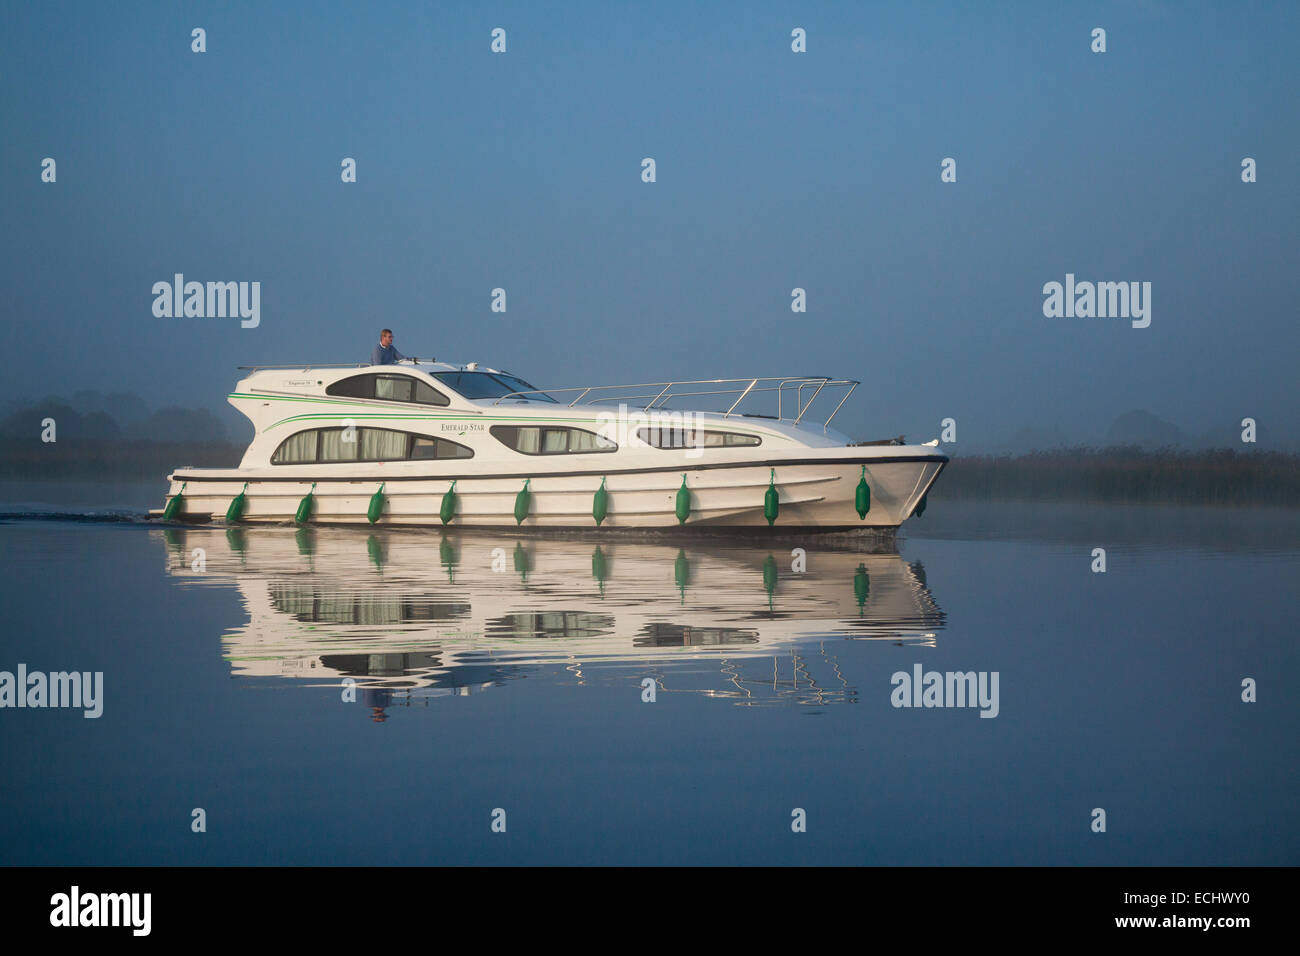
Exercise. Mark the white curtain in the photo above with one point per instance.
(392, 387)
(334, 448)
(299, 449)
(381, 444)
(528, 440)
(588, 441)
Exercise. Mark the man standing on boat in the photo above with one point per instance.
(385, 353)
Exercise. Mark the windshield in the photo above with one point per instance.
(489, 385)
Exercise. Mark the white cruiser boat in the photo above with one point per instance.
(430, 443)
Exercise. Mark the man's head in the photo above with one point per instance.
(386, 337)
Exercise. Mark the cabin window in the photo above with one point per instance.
(670, 438)
(387, 388)
(297, 449)
(426, 394)
(548, 440)
(478, 385)
(338, 444)
(380, 444)
(326, 445)
(358, 386)
(586, 441)
(424, 449)
(393, 388)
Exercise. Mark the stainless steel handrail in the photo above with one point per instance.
(745, 386)
(300, 368)
(748, 388)
(805, 408)
(841, 404)
(408, 362)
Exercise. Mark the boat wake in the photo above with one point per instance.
(80, 517)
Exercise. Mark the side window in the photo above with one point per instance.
(327, 445)
(671, 438)
(382, 444)
(426, 394)
(358, 386)
(538, 440)
(299, 449)
(388, 388)
(334, 445)
(425, 449)
(555, 441)
(393, 388)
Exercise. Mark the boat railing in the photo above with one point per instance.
(407, 362)
(657, 395)
(299, 368)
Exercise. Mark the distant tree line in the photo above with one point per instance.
(87, 419)
(92, 442)
(1127, 473)
(115, 460)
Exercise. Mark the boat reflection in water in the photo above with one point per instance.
(411, 616)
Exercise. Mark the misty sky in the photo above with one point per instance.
(775, 170)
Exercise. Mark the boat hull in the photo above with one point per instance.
(816, 494)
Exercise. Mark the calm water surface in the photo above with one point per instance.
(495, 671)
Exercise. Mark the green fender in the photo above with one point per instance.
(376, 509)
(771, 501)
(173, 507)
(862, 498)
(600, 503)
(448, 509)
(305, 506)
(522, 502)
(236, 509)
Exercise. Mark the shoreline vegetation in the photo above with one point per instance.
(110, 460)
(1127, 474)
(1118, 474)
